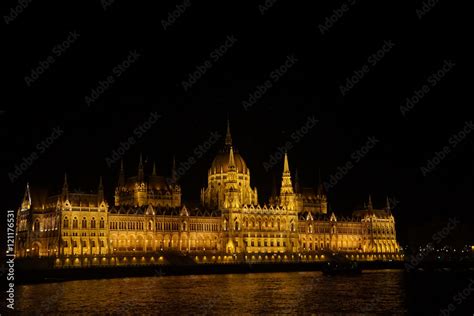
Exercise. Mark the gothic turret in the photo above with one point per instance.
(232, 193)
(141, 173)
(173, 172)
(26, 203)
(121, 181)
(287, 195)
(369, 205)
(321, 195)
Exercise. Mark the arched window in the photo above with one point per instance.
(102, 223)
(149, 225)
(84, 222)
(292, 227)
(93, 223)
(66, 222)
(236, 226)
(74, 223)
(36, 226)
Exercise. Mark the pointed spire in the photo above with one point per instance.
(228, 136)
(121, 181)
(141, 174)
(154, 169)
(100, 193)
(369, 206)
(286, 167)
(388, 206)
(286, 185)
(173, 171)
(231, 159)
(65, 185)
(26, 204)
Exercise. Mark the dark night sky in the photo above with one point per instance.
(310, 88)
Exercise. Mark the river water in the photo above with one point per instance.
(383, 292)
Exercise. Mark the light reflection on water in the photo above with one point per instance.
(234, 294)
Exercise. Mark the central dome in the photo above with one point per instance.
(222, 161)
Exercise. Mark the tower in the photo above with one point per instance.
(287, 195)
(369, 205)
(120, 184)
(24, 221)
(140, 187)
(141, 173)
(321, 195)
(175, 188)
(232, 193)
(121, 181)
(227, 165)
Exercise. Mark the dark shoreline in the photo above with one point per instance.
(32, 276)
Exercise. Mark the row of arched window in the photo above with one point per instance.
(127, 225)
(84, 223)
(265, 243)
(46, 224)
(382, 230)
(204, 227)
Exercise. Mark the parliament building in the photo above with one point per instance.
(148, 219)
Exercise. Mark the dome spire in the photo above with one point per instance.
(231, 159)
(228, 136)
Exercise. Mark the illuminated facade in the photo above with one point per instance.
(149, 217)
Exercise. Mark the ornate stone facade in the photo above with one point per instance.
(148, 218)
